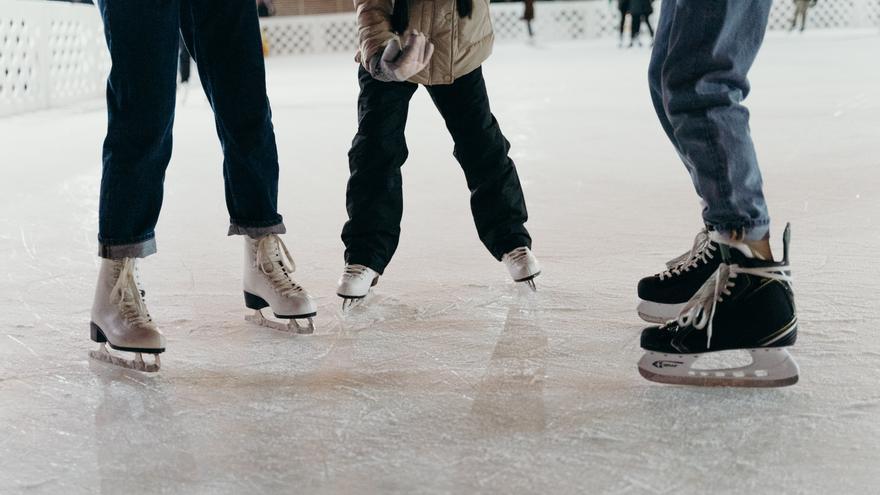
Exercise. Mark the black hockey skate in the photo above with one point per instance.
(747, 304)
(663, 296)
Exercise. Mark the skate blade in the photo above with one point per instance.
(658, 313)
(349, 303)
(529, 282)
(138, 364)
(770, 367)
(292, 326)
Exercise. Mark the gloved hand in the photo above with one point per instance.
(399, 65)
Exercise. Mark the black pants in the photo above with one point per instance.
(224, 40)
(374, 198)
(637, 25)
(624, 10)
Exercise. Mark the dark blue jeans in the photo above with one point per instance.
(224, 40)
(698, 78)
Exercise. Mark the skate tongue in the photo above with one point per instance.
(271, 251)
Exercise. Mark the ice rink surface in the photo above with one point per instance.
(451, 380)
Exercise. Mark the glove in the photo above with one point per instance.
(396, 65)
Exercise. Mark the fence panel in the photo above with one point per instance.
(53, 53)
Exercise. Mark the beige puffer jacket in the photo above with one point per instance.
(460, 44)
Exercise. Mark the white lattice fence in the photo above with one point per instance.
(51, 54)
(562, 20)
(311, 34)
(829, 14)
(20, 69)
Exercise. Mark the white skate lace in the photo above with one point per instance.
(518, 255)
(701, 252)
(128, 296)
(355, 271)
(281, 279)
(700, 310)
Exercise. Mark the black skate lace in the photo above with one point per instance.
(271, 251)
(128, 296)
(701, 252)
(700, 310)
(518, 255)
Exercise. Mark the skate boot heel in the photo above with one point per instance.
(97, 334)
(254, 302)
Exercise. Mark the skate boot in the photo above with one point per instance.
(268, 283)
(120, 318)
(523, 266)
(747, 304)
(662, 296)
(354, 285)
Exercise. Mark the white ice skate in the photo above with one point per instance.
(120, 318)
(354, 285)
(268, 283)
(523, 266)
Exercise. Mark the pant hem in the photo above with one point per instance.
(499, 249)
(370, 262)
(136, 250)
(256, 232)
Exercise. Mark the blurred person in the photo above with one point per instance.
(529, 16)
(623, 7)
(398, 40)
(640, 11)
(266, 8)
(800, 12)
(727, 292)
(144, 43)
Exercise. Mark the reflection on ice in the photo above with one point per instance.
(449, 379)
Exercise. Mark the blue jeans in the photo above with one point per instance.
(698, 79)
(224, 40)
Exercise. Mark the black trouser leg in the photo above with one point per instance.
(374, 198)
(636, 27)
(497, 201)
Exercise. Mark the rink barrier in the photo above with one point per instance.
(53, 53)
(554, 21)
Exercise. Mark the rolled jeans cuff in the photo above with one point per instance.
(755, 232)
(120, 251)
(257, 232)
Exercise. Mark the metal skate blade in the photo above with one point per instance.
(302, 329)
(137, 364)
(770, 367)
(292, 326)
(531, 284)
(349, 303)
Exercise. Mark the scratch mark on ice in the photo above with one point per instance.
(22, 344)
